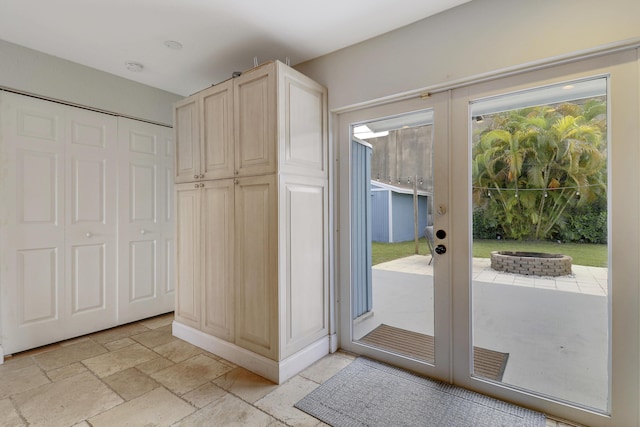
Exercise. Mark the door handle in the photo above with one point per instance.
(441, 249)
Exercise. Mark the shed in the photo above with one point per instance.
(392, 212)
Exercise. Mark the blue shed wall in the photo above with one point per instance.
(362, 297)
(402, 212)
(380, 215)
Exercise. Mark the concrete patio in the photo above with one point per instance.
(554, 329)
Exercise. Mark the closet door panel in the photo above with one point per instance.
(32, 240)
(91, 220)
(145, 228)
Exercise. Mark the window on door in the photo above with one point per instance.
(540, 288)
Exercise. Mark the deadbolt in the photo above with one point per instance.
(441, 234)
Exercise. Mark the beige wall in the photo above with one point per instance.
(34, 72)
(477, 37)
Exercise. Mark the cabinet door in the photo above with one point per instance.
(256, 269)
(32, 238)
(145, 235)
(188, 303)
(255, 121)
(303, 257)
(216, 128)
(187, 136)
(91, 221)
(302, 124)
(217, 258)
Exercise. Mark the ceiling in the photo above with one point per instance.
(217, 36)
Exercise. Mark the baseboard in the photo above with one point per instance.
(333, 343)
(278, 372)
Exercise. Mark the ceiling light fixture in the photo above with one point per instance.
(136, 67)
(172, 44)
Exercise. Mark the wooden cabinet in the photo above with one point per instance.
(252, 246)
(205, 267)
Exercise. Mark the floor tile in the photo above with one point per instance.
(154, 338)
(204, 395)
(245, 384)
(177, 350)
(66, 371)
(229, 411)
(154, 365)
(9, 416)
(327, 367)
(119, 344)
(66, 402)
(130, 383)
(119, 360)
(156, 408)
(118, 333)
(158, 321)
(190, 374)
(20, 380)
(63, 356)
(13, 364)
(279, 403)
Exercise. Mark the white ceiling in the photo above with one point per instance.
(218, 36)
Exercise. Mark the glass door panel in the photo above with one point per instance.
(540, 306)
(392, 195)
(397, 305)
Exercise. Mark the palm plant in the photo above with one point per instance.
(530, 165)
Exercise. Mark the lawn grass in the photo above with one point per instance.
(582, 253)
(383, 252)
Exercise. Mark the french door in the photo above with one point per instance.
(527, 289)
(395, 192)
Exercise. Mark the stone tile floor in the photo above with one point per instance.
(140, 375)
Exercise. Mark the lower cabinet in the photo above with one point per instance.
(252, 274)
(205, 256)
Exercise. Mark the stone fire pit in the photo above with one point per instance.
(531, 263)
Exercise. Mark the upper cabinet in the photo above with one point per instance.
(269, 119)
(186, 127)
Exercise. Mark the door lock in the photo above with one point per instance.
(440, 249)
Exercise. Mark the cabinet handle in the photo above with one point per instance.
(202, 185)
(142, 231)
(235, 172)
(201, 175)
(195, 176)
(235, 181)
(196, 185)
(88, 234)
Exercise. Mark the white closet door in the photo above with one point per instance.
(91, 207)
(32, 227)
(145, 216)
